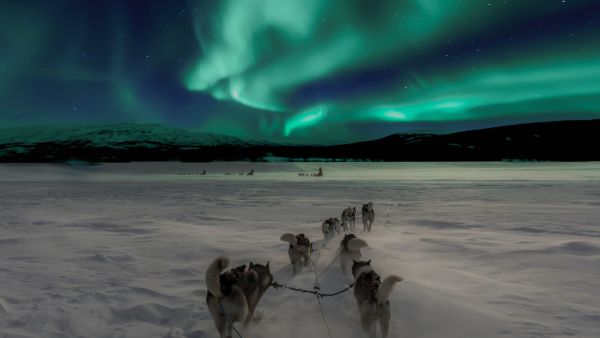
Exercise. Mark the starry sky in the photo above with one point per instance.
(305, 71)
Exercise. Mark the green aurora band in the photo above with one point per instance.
(259, 53)
(299, 71)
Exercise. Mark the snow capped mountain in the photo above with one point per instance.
(114, 143)
(111, 135)
(547, 141)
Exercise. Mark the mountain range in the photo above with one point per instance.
(546, 141)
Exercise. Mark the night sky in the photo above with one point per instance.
(299, 70)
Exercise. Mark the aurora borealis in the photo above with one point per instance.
(316, 71)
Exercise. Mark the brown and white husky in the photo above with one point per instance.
(368, 216)
(233, 296)
(349, 218)
(330, 227)
(372, 296)
(299, 250)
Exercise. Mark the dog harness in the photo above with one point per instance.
(302, 240)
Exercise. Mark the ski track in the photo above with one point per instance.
(120, 250)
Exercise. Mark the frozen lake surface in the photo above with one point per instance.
(120, 250)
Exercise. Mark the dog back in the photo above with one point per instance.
(302, 240)
(366, 287)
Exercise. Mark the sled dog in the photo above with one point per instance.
(330, 227)
(349, 218)
(232, 296)
(371, 296)
(299, 250)
(368, 216)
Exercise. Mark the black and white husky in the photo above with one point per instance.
(350, 251)
(299, 250)
(349, 218)
(368, 216)
(330, 227)
(232, 296)
(372, 296)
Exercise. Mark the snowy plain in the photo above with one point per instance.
(120, 250)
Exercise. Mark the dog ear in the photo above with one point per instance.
(269, 262)
(369, 262)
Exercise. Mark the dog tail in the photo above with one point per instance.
(356, 244)
(213, 274)
(387, 287)
(290, 238)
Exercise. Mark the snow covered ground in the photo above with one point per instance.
(120, 250)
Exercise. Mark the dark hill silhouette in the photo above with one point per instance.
(545, 141)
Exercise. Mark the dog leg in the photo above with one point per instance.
(227, 328)
(298, 265)
(217, 314)
(367, 321)
(384, 320)
(371, 220)
(220, 324)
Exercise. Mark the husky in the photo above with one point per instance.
(371, 296)
(330, 227)
(349, 218)
(232, 296)
(299, 250)
(368, 216)
(350, 251)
